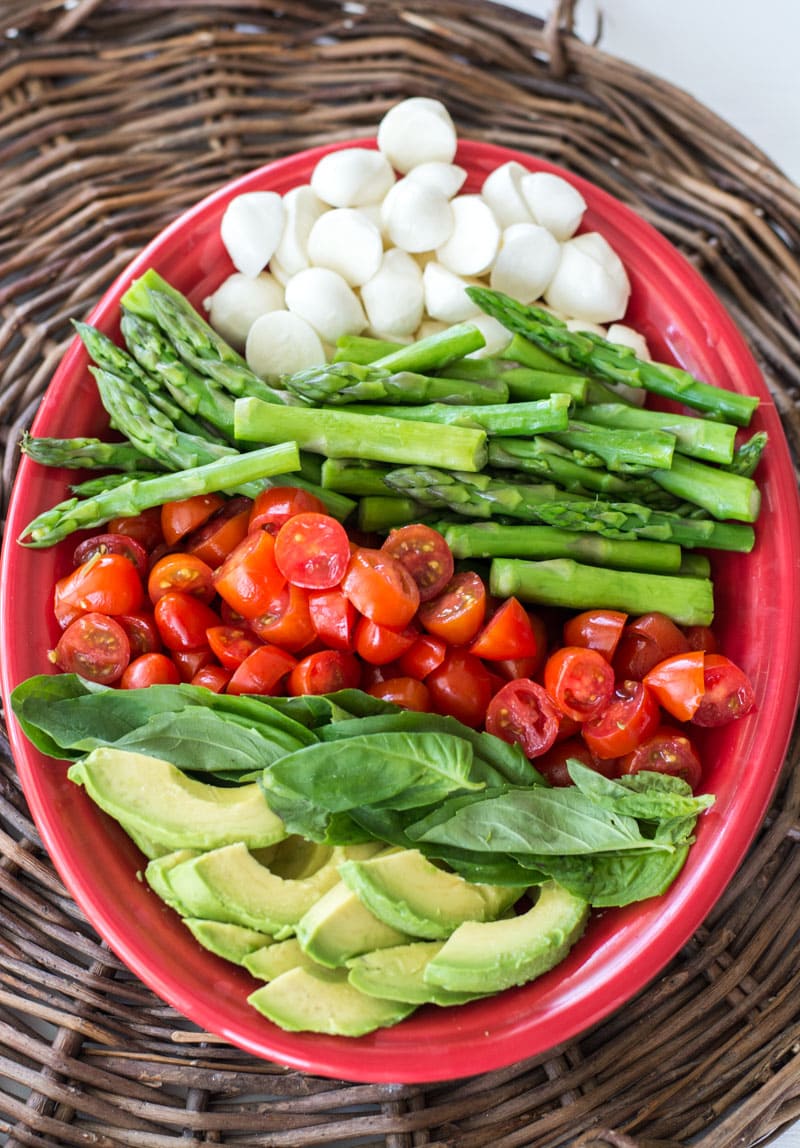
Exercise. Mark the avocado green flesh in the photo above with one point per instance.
(157, 800)
(399, 974)
(157, 876)
(323, 1000)
(489, 956)
(339, 926)
(231, 942)
(269, 962)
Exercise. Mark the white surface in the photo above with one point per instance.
(737, 59)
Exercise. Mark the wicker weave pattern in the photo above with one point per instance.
(114, 117)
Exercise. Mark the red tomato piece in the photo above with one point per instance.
(144, 527)
(461, 687)
(701, 638)
(598, 630)
(112, 544)
(153, 669)
(553, 763)
(105, 584)
(222, 533)
(409, 693)
(679, 683)
(380, 645)
(580, 681)
(668, 750)
(646, 641)
(249, 578)
(231, 644)
(522, 713)
(456, 615)
(728, 693)
(182, 517)
(262, 671)
(183, 572)
(312, 550)
(277, 504)
(423, 657)
(213, 677)
(183, 620)
(631, 716)
(508, 634)
(142, 632)
(190, 662)
(334, 618)
(425, 554)
(324, 673)
(287, 622)
(94, 646)
(380, 587)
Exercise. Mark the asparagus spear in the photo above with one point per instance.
(545, 416)
(747, 456)
(84, 453)
(610, 361)
(362, 349)
(722, 493)
(628, 451)
(352, 476)
(564, 582)
(525, 384)
(229, 473)
(705, 439)
(339, 383)
(378, 514)
(100, 482)
(435, 351)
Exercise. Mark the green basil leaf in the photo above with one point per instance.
(612, 880)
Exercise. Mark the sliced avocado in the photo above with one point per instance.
(323, 1000)
(151, 849)
(157, 876)
(267, 963)
(231, 942)
(295, 858)
(489, 956)
(407, 891)
(398, 973)
(340, 926)
(154, 798)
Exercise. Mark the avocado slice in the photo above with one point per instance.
(489, 956)
(407, 891)
(269, 962)
(156, 799)
(157, 876)
(231, 942)
(323, 1000)
(340, 926)
(399, 973)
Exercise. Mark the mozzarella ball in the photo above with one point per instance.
(475, 238)
(553, 202)
(446, 298)
(415, 131)
(590, 282)
(416, 217)
(326, 302)
(345, 240)
(280, 343)
(251, 229)
(394, 297)
(302, 207)
(502, 190)
(238, 302)
(351, 177)
(526, 262)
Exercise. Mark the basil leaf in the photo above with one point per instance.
(32, 699)
(612, 880)
(647, 796)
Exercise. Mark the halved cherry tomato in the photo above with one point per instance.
(277, 504)
(457, 614)
(646, 641)
(142, 632)
(599, 630)
(512, 668)
(334, 618)
(679, 683)
(423, 657)
(325, 672)
(249, 578)
(183, 620)
(701, 638)
(728, 693)
(523, 713)
(231, 644)
(94, 646)
(668, 750)
(461, 687)
(425, 554)
(312, 550)
(631, 716)
(580, 681)
(262, 671)
(380, 645)
(190, 662)
(553, 763)
(106, 584)
(380, 587)
(287, 620)
(409, 693)
(222, 533)
(187, 514)
(507, 634)
(144, 527)
(214, 678)
(112, 544)
(153, 669)
(183, 572)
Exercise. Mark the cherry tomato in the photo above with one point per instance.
(112, 544)
(425, 554)
(668, 750)
(646, 641)
(458, 612)
(183, 572)
(144, 527)
(423, 657)
(312, 550)
(182, 517)
(553, 763)
(409, 693)
(183, 620)
(461, 687)
(231, 644)
(190, 662)
(277, 504)
(249, 578)
(325, 672)
(599, 630)
(580, 681)
(512, 668)
(631, 716)
(262, 671)
(222, 533)
(380, 587)
(508, 634)
(106, 584)
(287, 621)
(142, 632)
(522, 713)
(214, 678)
(334, 618)
(728, 693)
(94, 646)
(701, 638)
(678, 683)
(153, 669)
(380, 645)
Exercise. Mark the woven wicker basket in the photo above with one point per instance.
(115, 117)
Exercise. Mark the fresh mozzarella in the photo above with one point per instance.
(251, 229)
(280, 343)
(238, 302)
(415, 131)
(326, 302)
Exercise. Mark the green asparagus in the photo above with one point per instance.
(704, 439)
(722, 493)
(84, 453)
(340, 383)
(545, 416)
(354, 477)
(435, 351)
(626, 451)
(378, 514)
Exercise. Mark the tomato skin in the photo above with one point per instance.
(425, 554)
(646, 641)
(409, 693)
(380, 645)
(152, 669)
(249, 578)
(261, 671)
(112, 544)
(668, 750)
(212, 677)
(183, 620)
(142, 632)
(523, 713)
(461, 687)
(231, 644)
(183, 572)
(456, 615)
(334, 618)
(631, 716)
(312, 550)
(728, 693)
(287, 623)
(277, 504)
(380, 587)
(144, 527)
(421, 658)
(190, 662)
(94, 646)
(679, 683)
(598, 630)
(580, 681)
(182, 517)
(222, 533)
(701, 638)
(507, 635)
(105, 584)
(325, 672)
(553, 763)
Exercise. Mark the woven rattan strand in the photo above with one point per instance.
(114, 117)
